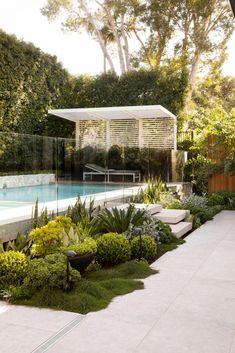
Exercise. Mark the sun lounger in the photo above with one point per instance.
(95, 169)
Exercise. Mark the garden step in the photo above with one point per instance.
(151, 208)
(172, 216)
(181, 228)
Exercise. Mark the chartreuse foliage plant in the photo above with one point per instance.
(88, 245)
(144, 247)
(113, 248)
(46, 239)
(13, 267)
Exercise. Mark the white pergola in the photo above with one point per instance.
(136, 126)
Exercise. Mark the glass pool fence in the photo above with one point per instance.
(55, 170)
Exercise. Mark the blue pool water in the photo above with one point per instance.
(21, 196)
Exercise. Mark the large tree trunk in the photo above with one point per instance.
(144, 48)
(113, 28)
(193, 75)
(98, 35)
(125, 46)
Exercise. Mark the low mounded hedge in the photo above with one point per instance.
(13, 267)
(147, 250)
(48, 272)
(113, 248)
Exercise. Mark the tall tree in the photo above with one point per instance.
(103, 20)
(186, 32)
(206, 32)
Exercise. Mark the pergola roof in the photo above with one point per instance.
(112, 113)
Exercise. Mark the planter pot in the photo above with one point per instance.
(81, 262)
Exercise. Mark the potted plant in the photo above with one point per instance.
(81, 254)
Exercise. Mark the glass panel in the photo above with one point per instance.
(55, 170)
(27, 175)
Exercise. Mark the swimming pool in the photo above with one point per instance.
(22, 196)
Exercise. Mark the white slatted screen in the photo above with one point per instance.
(124, 133)
(153, 133)
(158, 133)
(92, 133)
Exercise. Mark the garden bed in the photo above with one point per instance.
(95, 290)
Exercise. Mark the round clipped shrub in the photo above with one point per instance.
(147, 250)
(13, 267)
(87, 246)
(49, 272)
(113, 248)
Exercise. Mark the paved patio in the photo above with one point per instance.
(189, 307)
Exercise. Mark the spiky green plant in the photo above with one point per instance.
(154, 190)
(119, 221)
(22, 244)
(82, 209)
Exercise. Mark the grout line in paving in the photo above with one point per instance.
(53, 339)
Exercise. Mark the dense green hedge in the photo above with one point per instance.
(31, 83)
(163, 86)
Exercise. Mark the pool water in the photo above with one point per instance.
(22, 196)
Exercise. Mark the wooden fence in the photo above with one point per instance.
(219, 181)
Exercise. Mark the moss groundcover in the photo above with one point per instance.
(95, 290)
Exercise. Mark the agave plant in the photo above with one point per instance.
(119, 221)
(22, 243)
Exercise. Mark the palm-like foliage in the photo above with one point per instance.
(119, 221)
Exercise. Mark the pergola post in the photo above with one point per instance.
(140, 128)
(175, 133)
(77, 135)
(107, 137)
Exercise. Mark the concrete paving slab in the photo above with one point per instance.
(97, 334)
(25, 316)
(210, 287)
(175, 334)
(233, 346)
(21, 339)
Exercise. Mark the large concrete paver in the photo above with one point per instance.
(189, 307)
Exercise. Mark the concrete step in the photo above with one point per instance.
(172, 216)
(181, 228)
(151, 208)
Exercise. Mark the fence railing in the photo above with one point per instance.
(185, 136)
